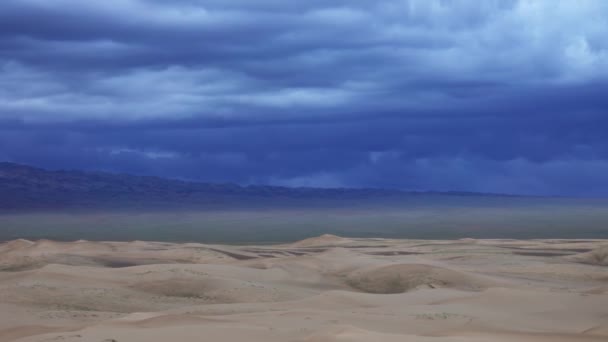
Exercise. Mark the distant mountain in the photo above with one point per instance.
(26, 188)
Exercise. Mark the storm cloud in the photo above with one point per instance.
(490, 96)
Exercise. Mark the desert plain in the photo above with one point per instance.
(321, 289)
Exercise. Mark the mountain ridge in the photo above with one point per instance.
(27, 187)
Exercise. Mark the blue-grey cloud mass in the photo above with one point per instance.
(492, 96)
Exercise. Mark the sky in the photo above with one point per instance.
(484, 96)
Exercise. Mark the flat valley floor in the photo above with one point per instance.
(326, 288)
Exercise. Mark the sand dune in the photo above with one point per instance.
(321, 289)
(323, 240)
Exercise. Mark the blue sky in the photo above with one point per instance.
(489, 96)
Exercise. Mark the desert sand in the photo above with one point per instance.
(321, 289)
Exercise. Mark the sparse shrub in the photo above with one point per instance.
(383, 285)
(599, 256)
(395, 284)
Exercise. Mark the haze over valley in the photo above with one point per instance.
(71, 205)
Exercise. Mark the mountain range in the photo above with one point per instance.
(25, 187)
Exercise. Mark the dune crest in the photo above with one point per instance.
(322, 240)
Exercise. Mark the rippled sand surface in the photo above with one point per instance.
(326, 288)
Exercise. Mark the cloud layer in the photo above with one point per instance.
(495, 96)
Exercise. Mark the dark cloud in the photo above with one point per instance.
(495, 96)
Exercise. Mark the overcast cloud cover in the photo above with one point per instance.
(492, 96)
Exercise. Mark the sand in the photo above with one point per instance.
(326, 288)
